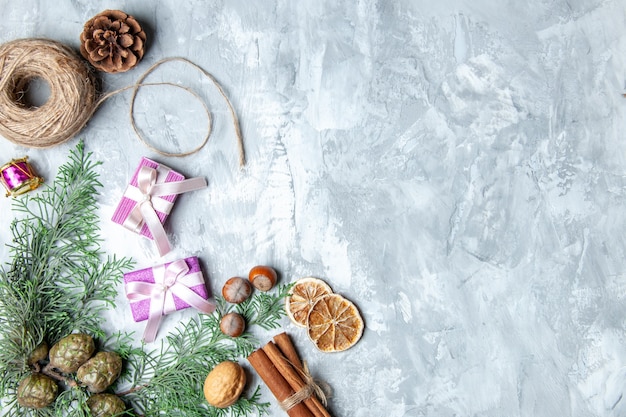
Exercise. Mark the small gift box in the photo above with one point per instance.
(163, 289)
(149, 198)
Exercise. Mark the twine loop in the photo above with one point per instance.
(311, 386)
(73, 96)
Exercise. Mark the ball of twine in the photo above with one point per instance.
(72, 99)
(73, 95)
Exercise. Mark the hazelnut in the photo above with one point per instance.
(232, 324)
(224, 384)
(263, 277)
(236, 290)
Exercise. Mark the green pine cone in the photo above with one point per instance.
(38, 354)
(99, 372)
(36, 391)
(69, 353)
(105, 405)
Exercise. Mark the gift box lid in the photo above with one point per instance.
(140, 308)
(127, 205)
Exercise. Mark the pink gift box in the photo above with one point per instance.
(141, 308)
(126, 205)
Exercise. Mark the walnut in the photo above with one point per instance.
(224, 384)
(112, 41)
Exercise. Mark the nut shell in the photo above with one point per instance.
(236, 290)
(263, 278)
(233, 324)
(224, 384)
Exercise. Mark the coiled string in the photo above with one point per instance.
(73, 96)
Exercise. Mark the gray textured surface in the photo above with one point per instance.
(457, 170)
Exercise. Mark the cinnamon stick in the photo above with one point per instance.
(294, 378)
(284, 343)
(276, 383)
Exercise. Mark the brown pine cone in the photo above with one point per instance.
(36, 391)
(69, 353)
(40, 353)
(105, 405)
(112, 41)
(99, 372)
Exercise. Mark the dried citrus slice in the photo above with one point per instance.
(334, 323)
(304, 293)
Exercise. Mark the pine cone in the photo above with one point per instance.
(99, 372)
(38, 354)
(69, 353)
(36, 391)
(105, 405)
(112, 41)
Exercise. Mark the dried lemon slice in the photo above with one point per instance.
(304, 293)
(334, 323)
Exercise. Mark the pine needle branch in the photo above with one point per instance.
(265, 309)
(58, 279)
(187, 355)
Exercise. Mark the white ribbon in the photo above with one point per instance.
(150, 185)
(174, 279)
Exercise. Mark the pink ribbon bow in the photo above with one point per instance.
(170, 281)
(145, 210)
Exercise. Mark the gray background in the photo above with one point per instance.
(456, 168)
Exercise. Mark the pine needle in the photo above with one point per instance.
(169, 380)
(58, 280)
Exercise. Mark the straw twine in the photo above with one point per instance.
(72, 98)
(73, 95)
(311, 386)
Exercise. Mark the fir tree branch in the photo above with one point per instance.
(188, 353)
(57, 280)
(265, 309)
